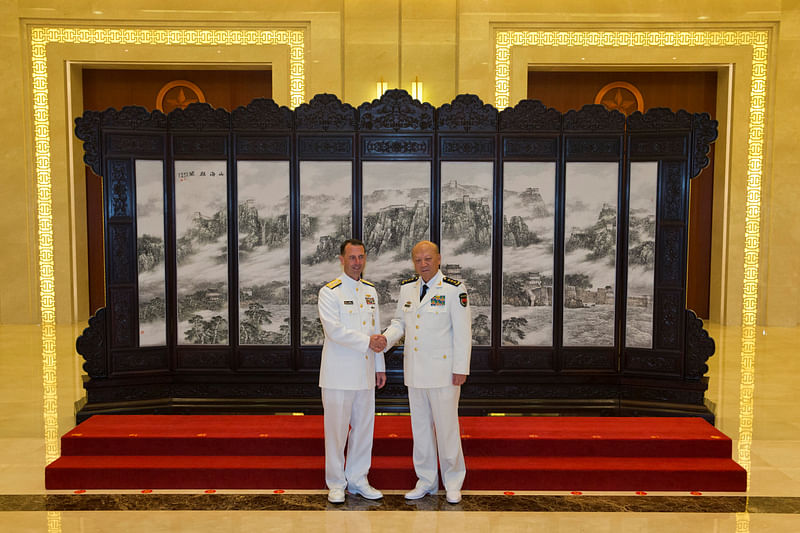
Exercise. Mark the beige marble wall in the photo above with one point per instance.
(781, 235)
(449, 45)
(19, 292)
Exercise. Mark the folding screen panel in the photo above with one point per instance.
(263, 260)
(569, 231)
(529, 212)
(150, 258)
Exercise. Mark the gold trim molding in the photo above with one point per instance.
(758, 42)
(40, 38)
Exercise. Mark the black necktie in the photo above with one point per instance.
(424, 290)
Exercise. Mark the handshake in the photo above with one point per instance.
(377, 343)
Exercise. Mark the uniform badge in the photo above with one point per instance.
(437, 300)
(407, 304)
(348, 302)
(463, 299)
(370, 300)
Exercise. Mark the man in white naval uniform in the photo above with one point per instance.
(434, 315)
(352, 364)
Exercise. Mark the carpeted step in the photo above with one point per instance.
(481, 436)
(606, 474)
(502, 453)
(396, 473)
(195, 435)
(591, 436)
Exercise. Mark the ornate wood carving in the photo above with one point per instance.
(397, 127)
(699, 347)
(246, 390)
(134, 118)
(539, 391)
(594, 117)
(667, 335)
(525, 359)
(263, 146)
(263, 360)
(325, 147)
(587, 360)
(672, 195)
(655, 362)
(530, 116)
(659, 119)
(87, 129)
(474, 148)
(394, 360)
(195, 145)
(530, 147)
(92, 346)
(310, 359)
(664, 395)
(261, 114)
(466, 113)
(705, 132)
(392, 390)
(140, 360)
(670, 263)
(658, 147)
(587, 148)
(480, 360)
(134, 144)
(124, 315)
(396, 111)
(127, 393)
(199, 117)
(325, 112)
(203, 359)
(120, 182)
(120, 238)
(387, 146)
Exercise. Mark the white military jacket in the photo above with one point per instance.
(349, 313)
(438, 331)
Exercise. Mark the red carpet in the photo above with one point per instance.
(502, 453)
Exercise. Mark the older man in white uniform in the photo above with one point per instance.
(434, 315)
(352, 364)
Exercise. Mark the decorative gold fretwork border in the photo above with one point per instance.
(40, 38)
(758, 41)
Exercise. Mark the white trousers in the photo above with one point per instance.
(434, 424)
(353, 411)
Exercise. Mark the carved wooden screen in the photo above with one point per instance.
(569, 231)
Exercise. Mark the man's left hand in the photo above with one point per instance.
(459, 379)
(380, 379)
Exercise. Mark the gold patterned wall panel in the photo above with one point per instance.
(41, 38)
(757, 42)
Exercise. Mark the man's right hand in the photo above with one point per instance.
(377, 343)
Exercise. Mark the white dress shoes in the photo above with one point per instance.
(365, 490)
(336, 495)
(420, 491)
(453, 496)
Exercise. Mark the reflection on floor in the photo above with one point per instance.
(36, 408)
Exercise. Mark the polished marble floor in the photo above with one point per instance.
(754, 395)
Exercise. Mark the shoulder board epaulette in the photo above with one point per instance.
(365, 282)
(451, 281)
(409, 280)
(333, 284)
